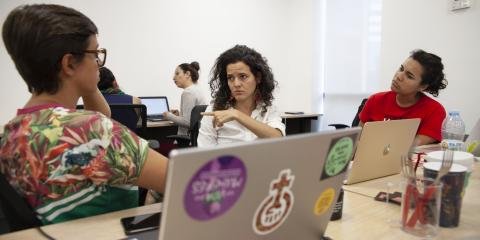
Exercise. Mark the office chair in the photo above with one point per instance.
(133, 116)
(190, 140)
(17, 212)
(356, 119)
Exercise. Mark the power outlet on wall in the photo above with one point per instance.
(460, 4)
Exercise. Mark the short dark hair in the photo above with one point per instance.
(38, 36)
(433, 75)
(193, 68)
(106, 79)
(258, 66)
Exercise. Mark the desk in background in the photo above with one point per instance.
(363, 217)
(159, 130)
(299, 123)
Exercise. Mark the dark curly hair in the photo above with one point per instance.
(193, 68)
(258, 66)
(433, 75)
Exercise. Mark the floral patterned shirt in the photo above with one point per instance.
(71, 163)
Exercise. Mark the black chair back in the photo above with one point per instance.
(195, 119)
(356, 119)
(17, 212)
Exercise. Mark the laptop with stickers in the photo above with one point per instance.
(380, 148)
(281, 188)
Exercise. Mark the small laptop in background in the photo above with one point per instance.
(473, 139)
(283, 188)
(156, 106)
(380, 149)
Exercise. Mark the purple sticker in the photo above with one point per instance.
(215, 188)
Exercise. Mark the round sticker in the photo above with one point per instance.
(215, 188)
(339, 156)
(324, 201)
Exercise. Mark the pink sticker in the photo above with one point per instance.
(274, 209)
(215, 188)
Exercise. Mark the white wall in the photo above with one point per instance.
(147, 39)
(454, 36)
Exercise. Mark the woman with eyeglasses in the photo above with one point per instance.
(186, 77)
(69, 163)
(242, 87)
(420, 73)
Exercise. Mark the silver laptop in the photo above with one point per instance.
(281, 188)
(473, 140)
(380, 148)
(156, 106)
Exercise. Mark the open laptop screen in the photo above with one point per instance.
(156, 106)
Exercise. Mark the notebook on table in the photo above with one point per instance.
(380, 149)
(281, 188)
(156, 106)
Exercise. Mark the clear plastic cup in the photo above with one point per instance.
(421, 206)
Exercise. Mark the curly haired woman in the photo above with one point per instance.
(242, 87)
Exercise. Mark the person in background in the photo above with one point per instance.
(421, 72)
(242, 87)
(110, 89)
(186, 77)
(69, 163)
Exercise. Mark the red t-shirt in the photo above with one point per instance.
(383, 106)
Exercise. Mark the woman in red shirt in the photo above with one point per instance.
(421, 72)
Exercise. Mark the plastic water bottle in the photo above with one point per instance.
(453, 126)
(453, 131)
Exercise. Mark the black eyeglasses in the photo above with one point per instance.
(100, 54)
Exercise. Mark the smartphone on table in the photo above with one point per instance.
(141, 223)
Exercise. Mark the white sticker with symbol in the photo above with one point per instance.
(276, 207)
